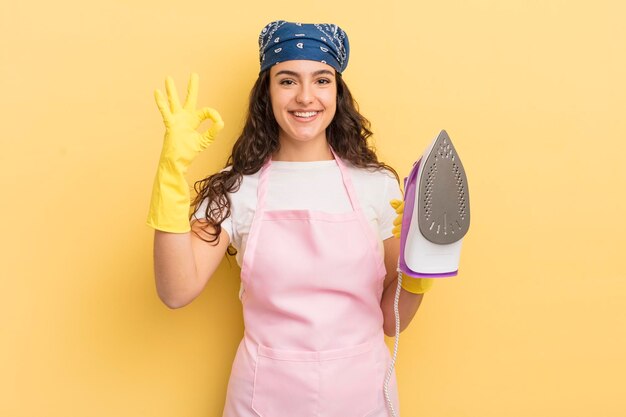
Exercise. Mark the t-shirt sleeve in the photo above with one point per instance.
(387, 213)
(227, 223)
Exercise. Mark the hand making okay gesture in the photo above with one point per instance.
(182, 141)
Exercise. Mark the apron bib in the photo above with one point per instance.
(313, 343)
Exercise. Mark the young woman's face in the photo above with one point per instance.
(304, 99)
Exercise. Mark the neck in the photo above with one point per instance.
(303, 151)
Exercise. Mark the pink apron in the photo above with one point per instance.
(313, 343)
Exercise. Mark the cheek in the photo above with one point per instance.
(331, 98)
(330, 103)
(278, 101)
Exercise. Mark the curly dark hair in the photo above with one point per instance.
(347, 133)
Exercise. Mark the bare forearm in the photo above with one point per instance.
(184, 262)
(174, 268)
(408, 304)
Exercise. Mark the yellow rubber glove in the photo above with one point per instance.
(169, 206)
(411, 284)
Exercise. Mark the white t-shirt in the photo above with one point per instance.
(315, 185)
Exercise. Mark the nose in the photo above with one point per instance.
(305, 94)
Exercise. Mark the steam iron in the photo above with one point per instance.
(436, 216)
(436, 212)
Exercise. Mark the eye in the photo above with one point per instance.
(286, 82)
(324, 81)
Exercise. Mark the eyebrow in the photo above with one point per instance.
(295, 74)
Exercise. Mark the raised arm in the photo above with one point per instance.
(412, 289)
(183, 263)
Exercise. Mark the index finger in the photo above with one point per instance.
(218, 124)
(210, 113)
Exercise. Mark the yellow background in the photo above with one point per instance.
(531, 92)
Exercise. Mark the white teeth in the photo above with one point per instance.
(307, 114)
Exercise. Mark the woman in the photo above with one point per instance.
(305, 203)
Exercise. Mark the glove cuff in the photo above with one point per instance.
(416, 285)
(169, 205)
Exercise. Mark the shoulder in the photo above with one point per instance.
(243, 197)
(373, 177)
(246, 180)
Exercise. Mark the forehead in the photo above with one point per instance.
(301, 67)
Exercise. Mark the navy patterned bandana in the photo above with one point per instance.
(281, 41)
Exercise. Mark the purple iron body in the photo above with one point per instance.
(436, 212)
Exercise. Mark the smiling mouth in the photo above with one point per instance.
(305, 115)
